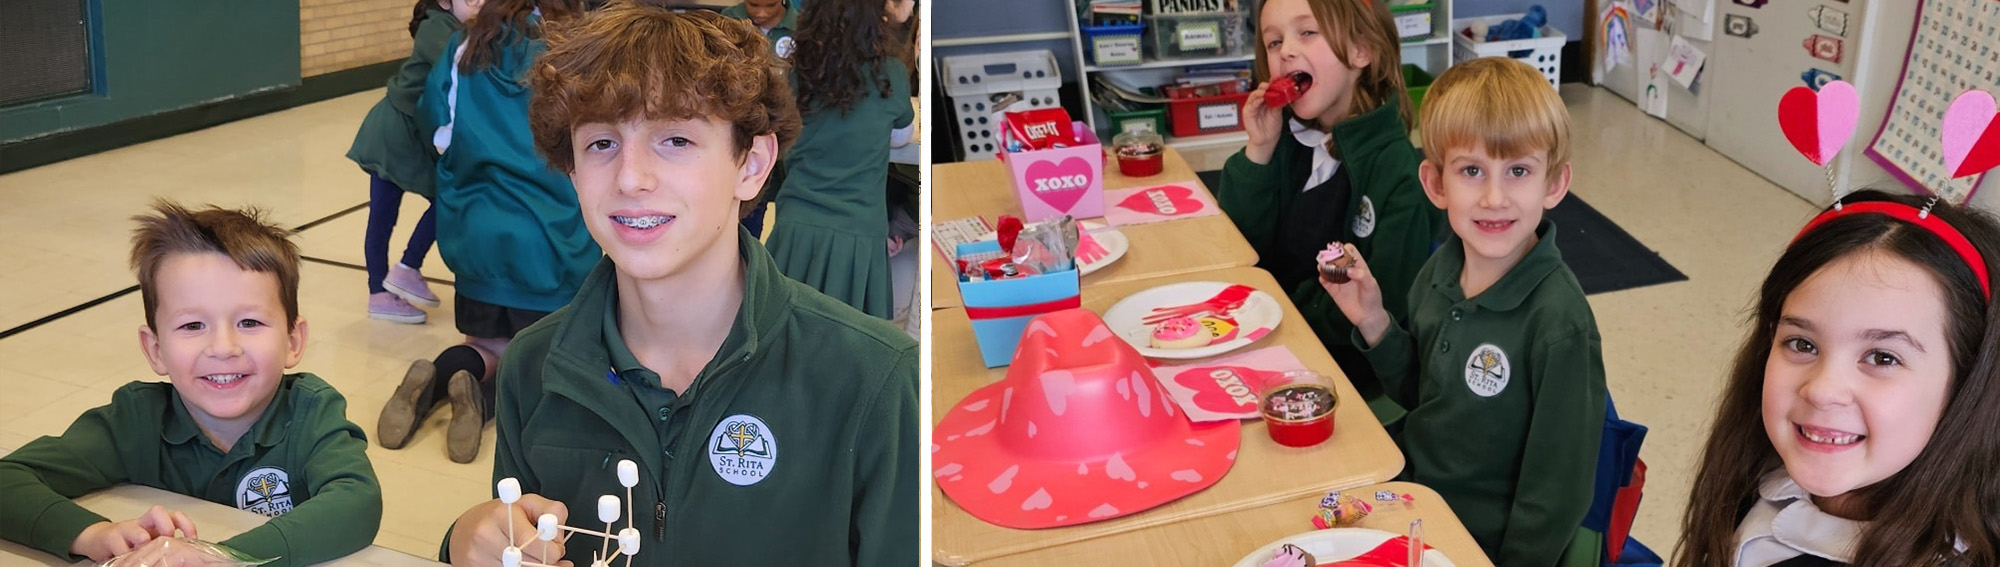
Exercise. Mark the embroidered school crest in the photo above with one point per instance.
(266, 490)
(1487, 371)
(1364, 218)
(742, 449)
(784, 47)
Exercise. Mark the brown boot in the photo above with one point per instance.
(408, 407)
(468, 417)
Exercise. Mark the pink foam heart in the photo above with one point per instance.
(1167, 201)
(1060, 185)
(1971, 143)
(1819, 123)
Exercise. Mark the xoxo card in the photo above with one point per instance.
(1171, 201)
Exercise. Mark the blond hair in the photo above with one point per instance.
(630, 61)
(244, 236)
(1358, 24)
(1504, 103)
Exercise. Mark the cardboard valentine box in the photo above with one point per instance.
(1061, 181)
(1000, 309)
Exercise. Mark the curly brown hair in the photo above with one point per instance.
(838, 39)
(630, 61)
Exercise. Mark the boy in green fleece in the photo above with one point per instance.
(1499, 362)
(751, 403)
(220, 289)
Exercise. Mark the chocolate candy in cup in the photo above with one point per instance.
(1298, 408)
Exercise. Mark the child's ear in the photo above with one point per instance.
(149, 343)
(1558, 187)
(297, 349)
(757, 164)
(1360, 56)
(1432, 178)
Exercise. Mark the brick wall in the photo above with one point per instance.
(343, 34)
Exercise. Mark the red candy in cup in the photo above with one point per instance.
(1298, 408)
(1284, 90)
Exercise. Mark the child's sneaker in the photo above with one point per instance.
(407, 408)
(390, 307)
(406, 282)
(468, 418)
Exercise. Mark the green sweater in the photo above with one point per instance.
(1506, 395)
(828, 476)
(780, 35)
(324, 487)
(1375, 153)
(389, 144)
(507, 223)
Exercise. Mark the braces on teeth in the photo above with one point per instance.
(641, 223)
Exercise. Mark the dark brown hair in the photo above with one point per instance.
(1356, 24)
(838, 40)
(1944, 496)
(628, 61)
(503, 22)
(243, 235)
(417, 14)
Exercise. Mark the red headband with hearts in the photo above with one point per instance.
(1923, 219)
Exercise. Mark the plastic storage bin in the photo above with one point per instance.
(1172, 37)
(1110, 46)
(1206, 109)
(1155, 119)
(1412, 20)
(1417, 82)
(976, 82)
(1543, 53)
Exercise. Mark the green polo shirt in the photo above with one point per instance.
(1506, 395)
(302, 462)
(802, 430)
(780, 36)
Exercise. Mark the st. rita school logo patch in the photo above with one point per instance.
(266, 490)
(1364, 219)
(784, 47)
(1487, 371)
(742, 449)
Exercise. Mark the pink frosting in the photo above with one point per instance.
(1287, 556)
(1331, 253)
(1175, 329)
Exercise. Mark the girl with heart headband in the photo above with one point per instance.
(1861, 418)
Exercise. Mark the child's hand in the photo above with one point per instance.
(895, 246)
(104, 540)
(481, 533)
(1263, 124)
(1360, 299)
(166, 551)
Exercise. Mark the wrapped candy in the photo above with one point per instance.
(1039, 129)
(1337, 510)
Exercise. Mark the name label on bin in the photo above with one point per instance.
(1117, 50)
(1216, 116)
(1200, 36)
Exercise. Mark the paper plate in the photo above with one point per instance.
(1114, 242)
(1337, 544)
(1258, 316)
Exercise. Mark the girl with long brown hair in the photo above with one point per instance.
(1861, 421)
(854, 95)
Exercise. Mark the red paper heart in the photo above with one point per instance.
(1984, 154)
(1167, 201)
(1224, 389)
(1818, 123)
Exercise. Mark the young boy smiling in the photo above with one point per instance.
(1500, 363)
(220, 289)
(750, 402)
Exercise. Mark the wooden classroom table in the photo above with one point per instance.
(1360, 452)
(1222, 540)
(984, 189)
(216, 522)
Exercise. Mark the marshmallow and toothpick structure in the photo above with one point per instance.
(546, 527)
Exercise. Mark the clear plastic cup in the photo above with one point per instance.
(1298, 408)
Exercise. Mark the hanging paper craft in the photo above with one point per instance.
(1971, 143)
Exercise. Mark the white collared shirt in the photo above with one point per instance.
(1323, 164)
(1785, 524)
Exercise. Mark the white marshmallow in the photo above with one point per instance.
(628, 473)
(511, 557)
(545, 528)
(510, 490)
(607, 508)
(628, 541)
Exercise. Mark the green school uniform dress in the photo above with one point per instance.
(302, 463)
(780, 35)
(832, 230)
(1506, 395)
(508, 224)
(1385, 215)
(796, 445)
(390, 144)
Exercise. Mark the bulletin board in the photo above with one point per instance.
(1955, 48)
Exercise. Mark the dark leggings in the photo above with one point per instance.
(385, 201)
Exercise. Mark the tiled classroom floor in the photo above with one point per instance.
(66, 227)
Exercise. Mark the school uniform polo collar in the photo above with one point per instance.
(1365, 134)
(180, 428)
(1514, 287)
(1803, 526)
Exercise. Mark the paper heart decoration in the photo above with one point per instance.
(1971, 143)
(1060, 185)
(1225, 389)
(1819, 123)
(1166, 201)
